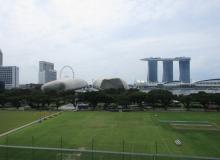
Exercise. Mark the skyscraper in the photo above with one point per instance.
(167, 70)
(152, 71)
(10, 76)
(184, 67)
(46, 72)
(1, 58)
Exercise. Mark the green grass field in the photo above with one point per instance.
(140, 132)
(12, 119)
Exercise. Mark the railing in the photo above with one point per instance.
(13, 152)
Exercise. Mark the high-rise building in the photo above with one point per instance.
(1, 58)
(167, 70)
(2, 86)
(46, 72)
(184, 67)
(152, 71)
(10, 76)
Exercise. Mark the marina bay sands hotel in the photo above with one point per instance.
(184, 69)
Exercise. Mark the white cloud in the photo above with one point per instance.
(106, 36)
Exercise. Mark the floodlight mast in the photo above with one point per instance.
(67, 66)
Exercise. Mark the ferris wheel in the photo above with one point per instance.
(66, 67)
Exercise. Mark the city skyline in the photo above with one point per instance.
(107, 38)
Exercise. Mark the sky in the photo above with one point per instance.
(107, 38)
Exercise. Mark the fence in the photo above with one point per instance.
(91, 152)
(9, 152)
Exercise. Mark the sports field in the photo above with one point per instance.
(12, 119)
(136, 131)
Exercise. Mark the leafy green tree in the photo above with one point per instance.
(3, 99)
(202, 98)
(71, 99)
(15, 101)
(185, 100)
(114, 91)
(123, 100)
(37, 99)
(92, 98)
(58, 102)
(214, 99)
(151, 98)
(105, 98)
(163, 97)
(137, 97)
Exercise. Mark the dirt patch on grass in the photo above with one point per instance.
(206, 127)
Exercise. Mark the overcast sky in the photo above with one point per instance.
(106, 38)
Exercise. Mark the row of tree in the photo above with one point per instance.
(110, 99)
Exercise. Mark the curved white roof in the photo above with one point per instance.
(208, 82)
(65, 84)
(110, 83)
(173, 83)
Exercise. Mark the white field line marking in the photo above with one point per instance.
(189, 122)
(27, 125)
(111, 152)
(160, 136)
(199, 125)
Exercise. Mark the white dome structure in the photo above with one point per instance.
(64, 85)
(110, 83)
